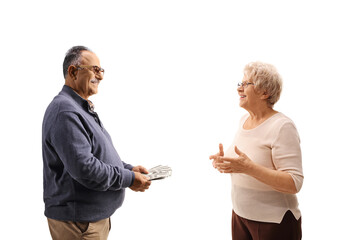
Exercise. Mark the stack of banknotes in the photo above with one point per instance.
(159, 172)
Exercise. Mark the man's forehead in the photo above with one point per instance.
(89, 58)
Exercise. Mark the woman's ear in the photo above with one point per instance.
(265, 95)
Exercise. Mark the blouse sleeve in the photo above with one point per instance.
(286, 153)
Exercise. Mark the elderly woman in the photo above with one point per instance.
(264, 161)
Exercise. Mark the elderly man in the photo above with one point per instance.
(84, 177)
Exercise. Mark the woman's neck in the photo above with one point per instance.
(261, 114)
(258, 116)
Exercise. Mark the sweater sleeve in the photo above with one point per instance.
(128, 166)
(286, 153)
(72, 144)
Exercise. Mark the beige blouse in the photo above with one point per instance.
(274, 144)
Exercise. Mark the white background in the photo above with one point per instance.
(169, 97)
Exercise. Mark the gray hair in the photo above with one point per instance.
(73, 57)
(266, 78)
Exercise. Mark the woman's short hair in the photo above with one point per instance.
(266, 79)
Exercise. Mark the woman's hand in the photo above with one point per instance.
(279, 180)
(241, 164)
(219, 154)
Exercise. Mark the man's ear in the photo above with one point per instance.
(72, 70)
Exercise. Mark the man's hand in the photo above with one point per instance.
(140, 169)
(141, 182)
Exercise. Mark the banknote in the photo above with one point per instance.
(159, 172)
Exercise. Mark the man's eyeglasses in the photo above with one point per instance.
(95, 69)
(245, 84)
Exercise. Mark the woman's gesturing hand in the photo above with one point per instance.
(219, 154)
(241, 164)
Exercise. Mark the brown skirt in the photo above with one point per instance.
(244, 229)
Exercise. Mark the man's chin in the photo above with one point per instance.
(93, 91)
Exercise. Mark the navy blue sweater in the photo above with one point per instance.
(84, 177)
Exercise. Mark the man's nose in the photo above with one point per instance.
(99, 76)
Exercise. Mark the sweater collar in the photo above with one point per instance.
(86, 104)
